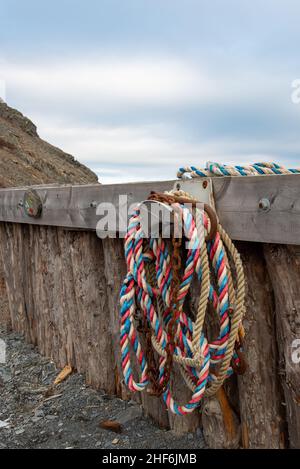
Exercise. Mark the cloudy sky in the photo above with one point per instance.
(136, 88)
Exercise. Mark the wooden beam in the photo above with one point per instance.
(237, 202)
(260, 393)
(73, 206)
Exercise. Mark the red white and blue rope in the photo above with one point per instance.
(197, 361)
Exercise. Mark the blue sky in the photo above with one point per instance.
(136, 88)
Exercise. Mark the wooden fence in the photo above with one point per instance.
(63, 282)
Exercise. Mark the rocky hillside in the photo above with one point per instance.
(26, 159)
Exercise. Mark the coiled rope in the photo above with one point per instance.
(201, 363)
(154, 323)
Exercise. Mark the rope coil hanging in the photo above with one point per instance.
(154, 322)
(155, 304)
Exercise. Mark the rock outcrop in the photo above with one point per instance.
(26, 159)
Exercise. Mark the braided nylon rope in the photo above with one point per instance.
(203, 365)
(217, 169)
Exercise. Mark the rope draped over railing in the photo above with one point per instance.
(217, 169)
(204, 365)
(153, 314)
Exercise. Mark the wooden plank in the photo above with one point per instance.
(72, 206)
(237, 203)
(216, 433)
(114, 270)
(76, 340)
(284, 269)
(86, 252)
(5, 320)
(63, 295)
(260, 393)
(11, 252)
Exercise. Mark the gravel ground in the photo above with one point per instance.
(31, 417)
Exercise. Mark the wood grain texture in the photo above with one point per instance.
(93, 309)
(215, 417)
(114, 272)
(260, 393)
(5, 320)
(11, 253)
(57, 297)
(284, 269)
(237, 202)
(63, 295)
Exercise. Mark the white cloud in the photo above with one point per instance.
(121, 154)
(107, 85)
(59, 98)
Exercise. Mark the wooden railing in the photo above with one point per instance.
(238, 202)
(63, 287)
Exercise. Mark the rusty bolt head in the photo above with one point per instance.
(264, 205)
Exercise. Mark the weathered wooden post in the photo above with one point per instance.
(260, 393)
(284, 269)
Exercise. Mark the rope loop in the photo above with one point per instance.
(155, 293)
